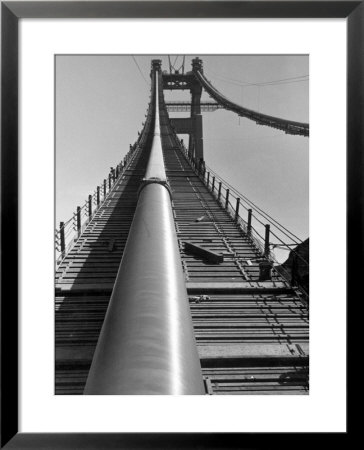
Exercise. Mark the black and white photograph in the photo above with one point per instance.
(181, 213)
(182, 224)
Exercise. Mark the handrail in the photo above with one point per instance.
(221, 191)
(65, 239)
(255, 215)
(81, 218)
(68, 233)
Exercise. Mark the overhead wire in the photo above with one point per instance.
(298, 79)
(175, 62)
(140, 71)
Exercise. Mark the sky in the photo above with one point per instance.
(101, 102)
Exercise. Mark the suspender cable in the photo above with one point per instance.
(147, 343)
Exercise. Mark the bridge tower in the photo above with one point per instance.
(250, 320)
(192, 125)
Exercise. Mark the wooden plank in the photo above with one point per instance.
(234, 287)
(86, 288)
(204, 253)
(252, 351)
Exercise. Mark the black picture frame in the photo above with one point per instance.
(11, 12)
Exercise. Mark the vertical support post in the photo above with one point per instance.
(266, 240)
(113, 175)
(265, 271)
(237, 209)
(219, 193)
(208, 179)
(227, 198)
(213, 184)
(63, 242)
(98, 196)
(104, 189)
(117, 172)
(90, 206)
(78, 219)
(249, 228)
(109, 181)
(198, 135)
(196, 144)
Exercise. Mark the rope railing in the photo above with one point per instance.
(258, 225)
(261, 219)
(68, 232)
(248, 204)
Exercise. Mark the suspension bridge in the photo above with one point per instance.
(166, 281)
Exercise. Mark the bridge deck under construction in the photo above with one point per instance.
(252, 335)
